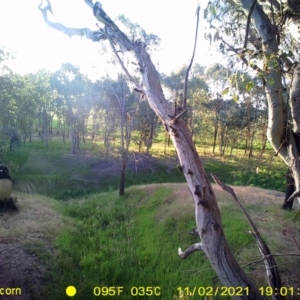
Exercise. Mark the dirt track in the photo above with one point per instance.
(21, 233)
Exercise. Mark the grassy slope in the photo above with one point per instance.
(132, 240)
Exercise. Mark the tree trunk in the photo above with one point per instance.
(64, 132)
(123, 150)
(207, 213)
(290, 188)
(279, 133)
(45, 128)
(140, 143)
(149, 140)
(165, 145)
(215, 133)
(73, 142)
(30, 133)
(252, 136)
(246, 139)
(122, 178)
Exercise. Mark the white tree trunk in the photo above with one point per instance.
(207, 213)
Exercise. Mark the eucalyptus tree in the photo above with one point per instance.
(17, 100)
(197, 95)
(231, 121)
(208, 217)
(217, 77)
(25, 110)
(17, 107)
(8, 114)
(146, 123)
(214, 106)
(125, 102)
(44, 102)
(107, 111)
(73, 100)
(8, 104)
(264, 36)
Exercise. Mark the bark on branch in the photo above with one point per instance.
(190, 250)
(295, 98)
(95, 36)
(294, 162)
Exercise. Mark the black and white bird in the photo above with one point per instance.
(6, 186)
(102, 17)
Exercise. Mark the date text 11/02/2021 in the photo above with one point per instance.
(196, 291)
(236, 291)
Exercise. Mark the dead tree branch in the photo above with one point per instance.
(191, 62)
(190, 250)
(131, 79)
(95, 36)
(248, 24)
(268, 258)
(294, 162)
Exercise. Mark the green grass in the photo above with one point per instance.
(58, 174)
(239, 170)
(123, 242)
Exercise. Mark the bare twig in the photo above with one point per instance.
(260, 260)
(289, 231)
(123, 66)
(280, 147)
(248, 24)
(191, 62)
(176, 117)
(83, 32)
(89, 3)
(241, 54)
